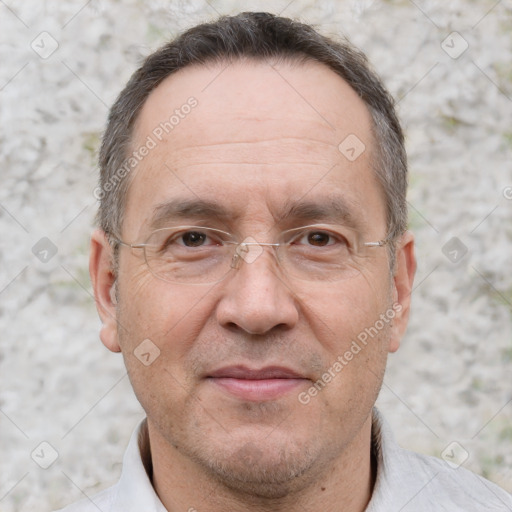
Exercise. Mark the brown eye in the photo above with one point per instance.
(318, 239)
(193, 238)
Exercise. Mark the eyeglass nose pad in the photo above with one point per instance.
(238, 256)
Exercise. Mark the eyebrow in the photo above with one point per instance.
(337, 210)
(184, 209)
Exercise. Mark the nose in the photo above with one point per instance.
(257, 298)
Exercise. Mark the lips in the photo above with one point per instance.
(242, 372)
(268, 383)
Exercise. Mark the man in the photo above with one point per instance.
(254, 269)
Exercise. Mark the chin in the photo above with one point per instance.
(261, 469)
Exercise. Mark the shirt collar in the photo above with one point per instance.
(135, 490)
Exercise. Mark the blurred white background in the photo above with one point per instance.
(449, 64)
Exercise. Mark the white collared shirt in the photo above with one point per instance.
(406, 482)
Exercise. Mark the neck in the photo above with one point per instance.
(346, 480)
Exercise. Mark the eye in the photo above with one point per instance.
(318, 239)
(185, 242)
(192, 239)
(195, 238)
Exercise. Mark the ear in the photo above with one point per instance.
(405, 268)
(103, 282)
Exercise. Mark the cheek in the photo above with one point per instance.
(169, 315)
(340, 312)
(160, 324)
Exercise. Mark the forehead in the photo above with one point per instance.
(253, 91)
(253, 135)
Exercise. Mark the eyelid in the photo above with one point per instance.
(340, 236)
(190, 228)
(328, 228)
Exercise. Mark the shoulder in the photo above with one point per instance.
(409, 481)
(454, 488)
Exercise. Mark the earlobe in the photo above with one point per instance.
(103, 282)
(403, 280)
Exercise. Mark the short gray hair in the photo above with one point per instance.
(259, 36)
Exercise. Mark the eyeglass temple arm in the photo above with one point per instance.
(126, 244)
(379, 243)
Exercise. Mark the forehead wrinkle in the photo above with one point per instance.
(264, 141)
(280, 151)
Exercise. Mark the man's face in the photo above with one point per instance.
(261, 146)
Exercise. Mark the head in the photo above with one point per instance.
(263, 108)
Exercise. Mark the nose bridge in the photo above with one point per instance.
(256, 297)
(249, 250)
(258, 266)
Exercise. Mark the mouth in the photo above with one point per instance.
(268, 383)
